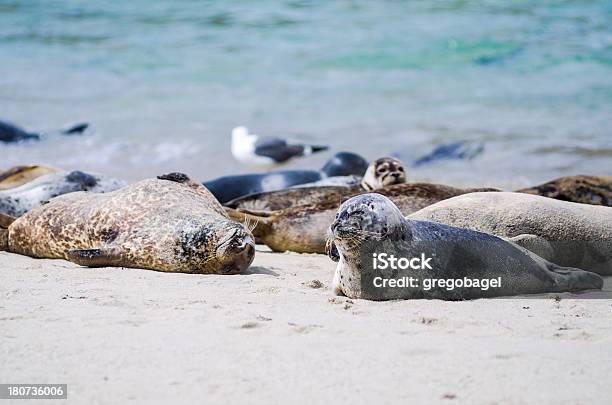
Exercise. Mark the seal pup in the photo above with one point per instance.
(18, 175)
(19, 200)
(10, 133)
(385, 171)
(169, 224)
(228, 188)
(302, 228)
(596, 190)
(566, 233)
(265, 151)
(371, 224)
(381, 173)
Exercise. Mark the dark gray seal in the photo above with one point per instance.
(10, 133)
(371, 224)
(229, 188)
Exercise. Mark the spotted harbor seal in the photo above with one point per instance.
(596, 190)
(566, 233)
(302, 227)
(385, 171)
(19, 200)
(382, 172)
(228, 188)
(19, 175)
(10, 133)
(168, 224)
(369, 225)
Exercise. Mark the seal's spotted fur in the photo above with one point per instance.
(168, 224)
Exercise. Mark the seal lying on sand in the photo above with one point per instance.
(596, 190)
(19, 200)
(568, 234)
(382, 172)
(231, 187)
(302, 228)
(19, 175)
(371, 224)
(12, 133)
(168, 224)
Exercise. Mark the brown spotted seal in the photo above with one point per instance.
(168, 224)
(596, 190)
(451, 263)
(302, 228)
(566, 233)
(19, 175)
(383, 172)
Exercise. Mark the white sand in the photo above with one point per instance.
(119, 335)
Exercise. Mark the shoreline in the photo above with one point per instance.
(115, 335)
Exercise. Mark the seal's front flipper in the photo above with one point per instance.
(3, 240)
(104, 257)
(535, 244)
(176, 177)
(332, 250)
(6, 220)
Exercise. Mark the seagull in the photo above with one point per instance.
(267, 152)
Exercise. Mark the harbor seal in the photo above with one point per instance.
(381, 173)
(370, 225)
(565, 233)
(169, 224)
(385, 171)
(19, 175)
(596, 190)
(302, 227)
(11, 133)
(19, 200)
(228, 188)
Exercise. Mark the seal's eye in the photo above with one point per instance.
(381, 170)
(401, 169)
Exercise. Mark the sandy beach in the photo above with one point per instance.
(278, 335)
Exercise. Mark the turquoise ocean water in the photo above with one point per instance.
(163, 82)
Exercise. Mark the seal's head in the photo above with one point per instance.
(226, 247)
(383, 172)
(363, 218)
(80, 181)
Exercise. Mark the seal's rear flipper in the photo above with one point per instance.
(95, 257)
(6, 220)
(76, 129)
(571, 279)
